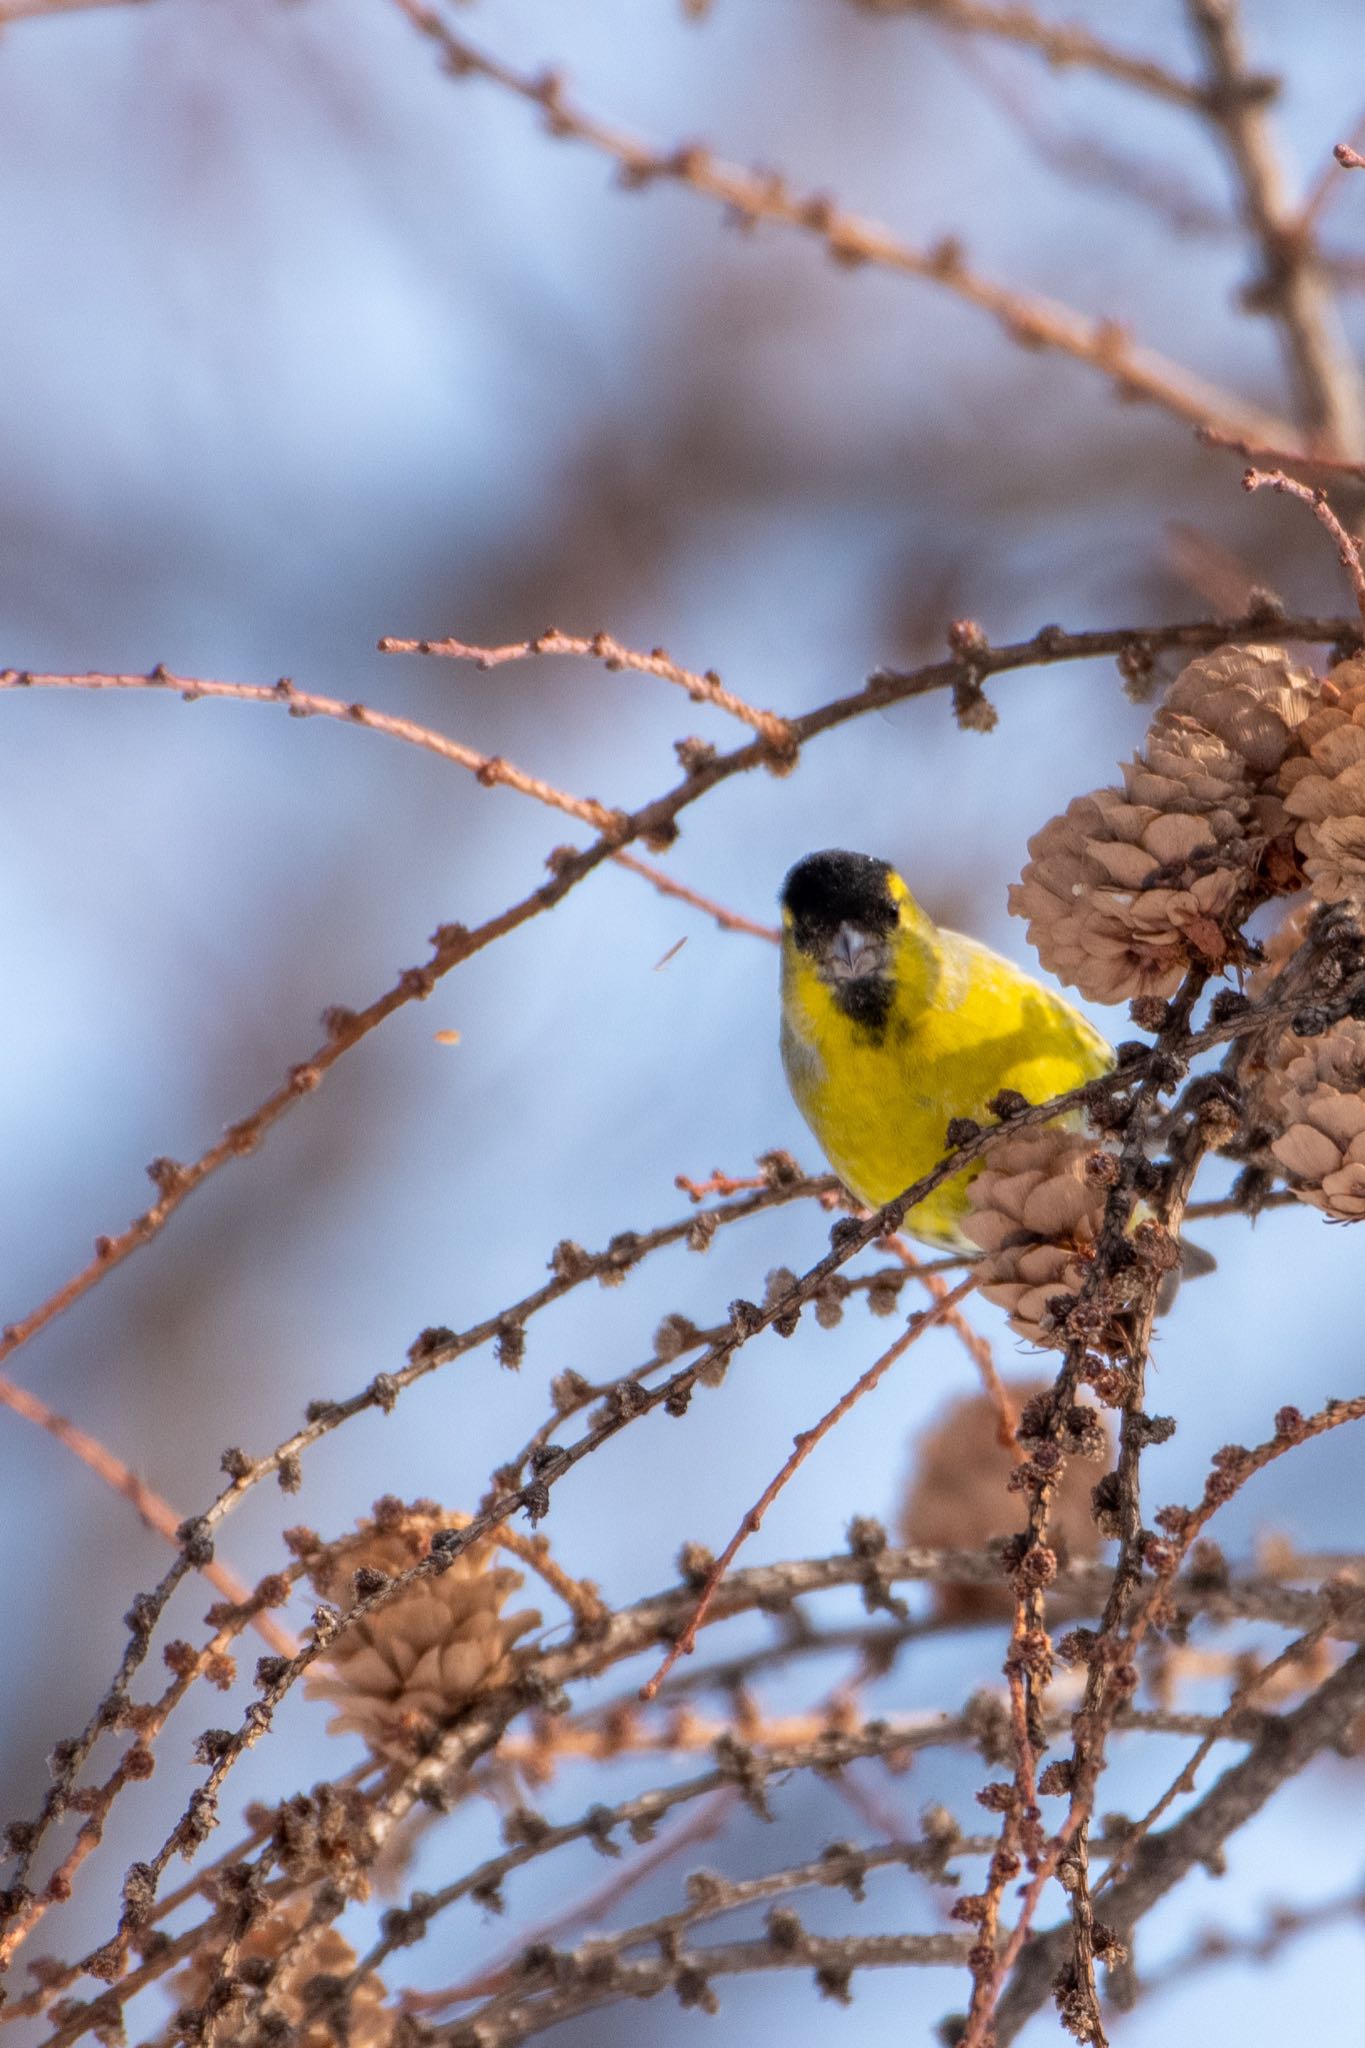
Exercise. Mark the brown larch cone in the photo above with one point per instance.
(1130, 885)
(1310, 1092)
(957, 1497)
(1252, 700)
(403, 1670)
(1314, 1096)
(297, 1994)
(1035, 1209)
(1323, 786)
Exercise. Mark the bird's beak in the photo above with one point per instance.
(855, 954)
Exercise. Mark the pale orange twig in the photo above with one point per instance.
(805, 1443)
(1063, 44)
(851, 239)
(728, 920)
(34, 10)
(719, 1183)
(155, 1512)
(1327, 184)
(705, 688)
(1257, 451)
(1348, 554)
(488, 769)
(977, 1347)
(580, 1596)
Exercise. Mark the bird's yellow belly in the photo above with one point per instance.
(880, 1134)
(881, 1108)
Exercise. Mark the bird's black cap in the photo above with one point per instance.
(828, 889)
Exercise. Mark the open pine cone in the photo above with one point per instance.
(399, 1673)
(1310, 1092)
(1035, 1210)
(1316, 1101)
(958, 1497)
(1323, 786)
(297, 1993)
(1131, 884)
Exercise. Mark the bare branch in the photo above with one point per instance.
(1292, 288)
(1034, 322)
(701, 688)
(1255, 451)
(154, 1512)
(806, 1442)
(1289, 1743)
(488, 769)
(1064, 45)
(654, 823)
(728, 920)
(1348, 554)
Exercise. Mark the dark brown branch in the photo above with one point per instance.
(831, 1960)
(1288, 1744)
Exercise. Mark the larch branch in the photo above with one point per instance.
(1065, 45)
(1292, 288)
(1034, 322)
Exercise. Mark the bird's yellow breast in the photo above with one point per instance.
(963, 1024)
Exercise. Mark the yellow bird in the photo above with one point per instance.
(891, 1026)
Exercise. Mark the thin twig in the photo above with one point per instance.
(704, 688)
(851, 239)
(1292, 1654)
(1292, 287)
(976, 1346)
(1327, 184)
(830, 1959)
(713, 1896)
(805, 1443)
(1280, 458)
(728, 920)
(703, 1826)
(1065, 45)
(155, 1512)
(488, 769)
(36, 10)
(1348, 554)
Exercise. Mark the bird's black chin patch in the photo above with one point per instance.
(866, 1002)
